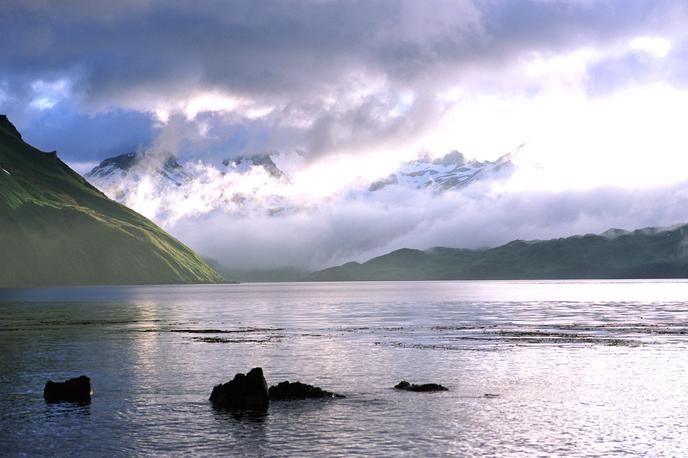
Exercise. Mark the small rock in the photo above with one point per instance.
(73, 390)
(245, 392)
(297, 390)
(406, 386)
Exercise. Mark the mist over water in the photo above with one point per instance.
(579, 367)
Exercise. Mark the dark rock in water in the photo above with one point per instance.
(245, 392)
(73, 390)
(406, 386)
(288, 391)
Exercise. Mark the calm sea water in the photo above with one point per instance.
(580, 368)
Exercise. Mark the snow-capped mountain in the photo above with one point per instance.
(161, 188)
(115, 175)
(166, 168)
(120, 165)
(450, 172)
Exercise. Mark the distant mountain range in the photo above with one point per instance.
(256, 184)
(57, 229)
(644, 253)
(164, 170)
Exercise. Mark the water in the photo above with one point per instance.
(581, 368)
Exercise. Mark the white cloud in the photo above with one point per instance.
(47, 94)
(630, 138)
(656, 46)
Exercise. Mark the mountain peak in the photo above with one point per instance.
(8, 127)
(165, 165)
(449, 172)
(123, 161)
(260, 160)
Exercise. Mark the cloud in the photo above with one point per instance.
(324, 77)
(280, 49)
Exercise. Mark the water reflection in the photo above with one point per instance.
(580, 368)
(62, 409)
(249, 416)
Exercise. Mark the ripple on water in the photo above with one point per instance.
(534, 368)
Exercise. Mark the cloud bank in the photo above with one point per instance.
(324, 77)
(360, 229)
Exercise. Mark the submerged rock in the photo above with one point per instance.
(291, 391)
(72, 390)
(406, 386)
(245, 392)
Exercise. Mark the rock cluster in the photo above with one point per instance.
(247, 392)
(250, 392)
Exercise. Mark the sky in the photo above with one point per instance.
(596, 91)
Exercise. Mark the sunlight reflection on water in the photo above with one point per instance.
(581, 368)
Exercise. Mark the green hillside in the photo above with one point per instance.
(56, 229)
(644, 253)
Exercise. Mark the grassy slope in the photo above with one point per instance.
(639, 254)
(55, 228)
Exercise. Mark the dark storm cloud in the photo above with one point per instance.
(295, 54)
(276, 49)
